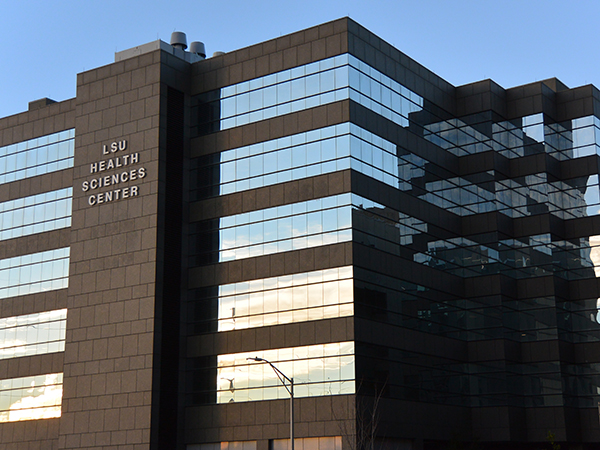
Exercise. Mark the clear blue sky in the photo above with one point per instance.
(46, 43)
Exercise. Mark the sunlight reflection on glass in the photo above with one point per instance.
(31, 398)
(285, 299)
(325, 369)
(595, 257)
(33, 334)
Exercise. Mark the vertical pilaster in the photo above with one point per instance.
(109, 358)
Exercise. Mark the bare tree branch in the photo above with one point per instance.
(363, 435)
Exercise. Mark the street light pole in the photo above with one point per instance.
(282, 377)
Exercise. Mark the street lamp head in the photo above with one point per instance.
(282, 377)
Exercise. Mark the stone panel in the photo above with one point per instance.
(114, 206)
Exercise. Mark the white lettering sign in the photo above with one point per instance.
(122, 176)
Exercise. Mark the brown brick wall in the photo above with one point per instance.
(108, 356)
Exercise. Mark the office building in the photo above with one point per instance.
(420, 258)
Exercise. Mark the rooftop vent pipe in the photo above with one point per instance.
(178, 40)
(198, 48)
(218, 54)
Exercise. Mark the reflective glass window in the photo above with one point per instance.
(35, 272)
(458, 195)
(510, 139)
(318, 83)
(536, 255)
(294, 226)
(324, 369)
(33, 334)
(231, 445)
(514, 197)
(533, 127)
(585, 137)
(289, 227)
(581, 384)
(573, 198)
(299, 156)
(457, 137)
(31, 398)
(322, 294)
(459, 256)
(314, 443)
(381, 227)
(517, 138)
(579, 320)
(37, 156)
(36, 214)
